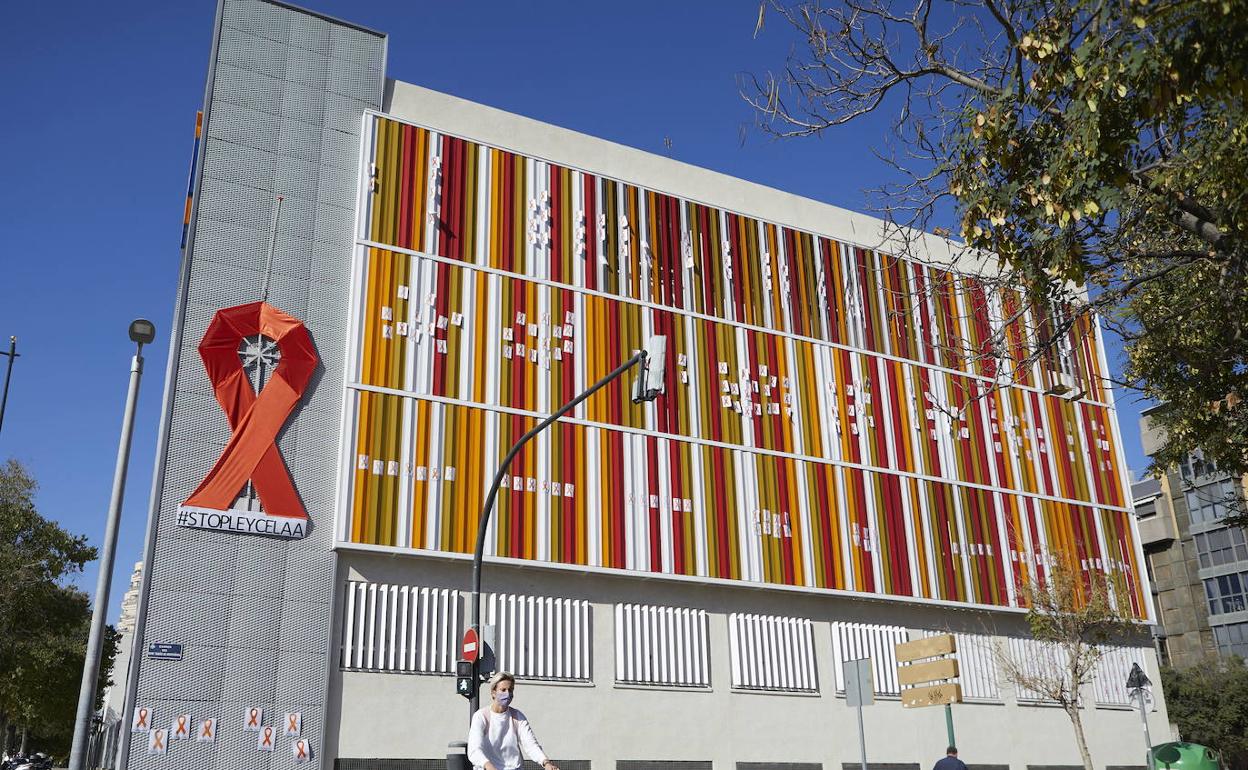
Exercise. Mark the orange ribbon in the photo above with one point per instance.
(181, 728)
(292, 723)
(252, 451)
(142, 718)
(268, 737)
(302, 749)
(255, 714)
(156, 735)
(206, 732)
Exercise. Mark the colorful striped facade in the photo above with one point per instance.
(828, 420)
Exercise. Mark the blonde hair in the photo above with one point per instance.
(500, 677)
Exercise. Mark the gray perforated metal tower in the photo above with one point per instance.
(282, 113)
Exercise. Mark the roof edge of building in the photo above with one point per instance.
(527, 136)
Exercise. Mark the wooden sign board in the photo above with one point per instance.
(929, 671)
(929, 647)
(931, 695)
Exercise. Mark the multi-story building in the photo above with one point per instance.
(1198, 564)
(107, 731)
(413, 280)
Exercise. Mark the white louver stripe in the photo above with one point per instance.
(1110, 685)
(977, 666)
(540, 637)
(400, 628)
(772, 653)
(1036, 660)
(852, 641)
(661, 645)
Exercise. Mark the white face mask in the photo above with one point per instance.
(503, 698)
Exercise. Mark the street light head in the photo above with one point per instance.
(142, 331)
(650, 380)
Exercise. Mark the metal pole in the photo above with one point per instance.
(862, 736)
(1148, 741)
(483, 524)
(12, 354)
(91, 666)
(949, 723)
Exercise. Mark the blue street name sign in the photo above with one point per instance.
(164, 651)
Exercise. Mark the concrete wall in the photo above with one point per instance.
(384, 715)
(286, 91)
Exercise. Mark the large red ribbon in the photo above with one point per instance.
(252, 451)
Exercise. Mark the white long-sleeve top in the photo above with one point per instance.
(499, 738)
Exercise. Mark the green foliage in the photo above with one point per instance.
(44, 624)
(1084, 142)
(1209, 703)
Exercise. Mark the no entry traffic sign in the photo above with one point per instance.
(471, 645)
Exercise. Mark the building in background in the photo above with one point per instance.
(412, 280)
(1197, 564)
(107, 730)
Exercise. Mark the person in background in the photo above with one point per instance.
(498, 733)
(951, 761)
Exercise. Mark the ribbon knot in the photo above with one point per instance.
(252, 451)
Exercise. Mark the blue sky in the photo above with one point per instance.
(95, 146)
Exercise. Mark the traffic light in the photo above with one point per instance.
(466, 678)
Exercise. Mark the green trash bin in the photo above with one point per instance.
(1181, 755)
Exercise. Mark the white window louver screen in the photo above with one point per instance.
(852, 641)
(1037, 660)
(772, 653)
(419, 630)
(661, 646)
(977, 666)
(540, 637)
(1111, 676)
(389, 627)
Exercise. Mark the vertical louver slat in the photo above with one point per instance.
(361, 592)
(348, 628)
(372, 625)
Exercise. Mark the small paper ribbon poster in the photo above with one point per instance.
(294, 725)
(264, 741)
(142, 720)
(207, 731)
(253, 718)
(301, 751)
(157, 741)
(181, 728)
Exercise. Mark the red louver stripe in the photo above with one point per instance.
(405, 188)
(825, 514)
(591, 231)
(555, 224)
(786, 543)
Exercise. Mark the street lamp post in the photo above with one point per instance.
(648, 387)
(1137, 683)
(12, 354)
(142, 332)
